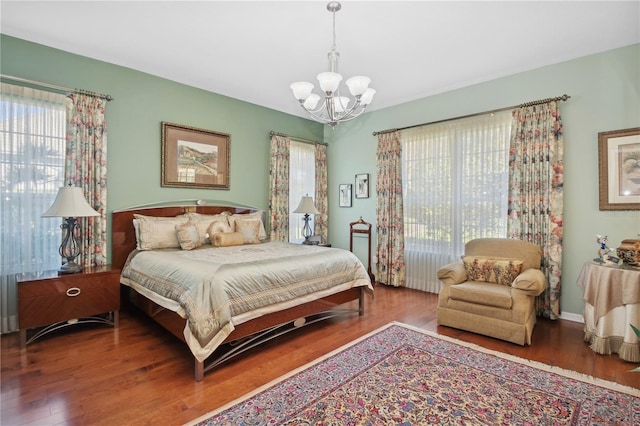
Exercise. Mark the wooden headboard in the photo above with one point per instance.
(123, 237)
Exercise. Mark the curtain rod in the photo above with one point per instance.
(54, 87)
(526, 104)
(309, 141)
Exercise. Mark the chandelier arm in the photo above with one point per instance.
(351, 111)
(351, 117)
(314, 114)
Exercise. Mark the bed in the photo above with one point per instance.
(274, 276)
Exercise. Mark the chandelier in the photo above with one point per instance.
(334, 108)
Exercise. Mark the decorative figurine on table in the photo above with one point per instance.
(603, 251)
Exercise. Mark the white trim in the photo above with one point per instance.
(572, 317)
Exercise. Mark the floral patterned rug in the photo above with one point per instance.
(400, 375)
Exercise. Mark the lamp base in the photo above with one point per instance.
(70, 268)
(310, 243)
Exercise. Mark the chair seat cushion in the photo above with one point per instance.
(482, 293)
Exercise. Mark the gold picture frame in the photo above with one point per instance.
(195, 158)
(619, 166)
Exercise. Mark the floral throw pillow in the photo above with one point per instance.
(492, 270)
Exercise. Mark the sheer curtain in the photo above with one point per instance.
(32, 144)
(302, 181)
(455, 187)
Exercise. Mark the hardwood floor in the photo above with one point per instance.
(139, 374)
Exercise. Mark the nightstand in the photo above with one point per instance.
(55, 300)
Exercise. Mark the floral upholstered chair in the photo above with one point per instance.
(492, 290)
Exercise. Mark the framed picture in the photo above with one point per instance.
(345, 195)
(194, 158)
(619, 165)
(362, 185)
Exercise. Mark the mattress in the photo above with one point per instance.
(215, 288)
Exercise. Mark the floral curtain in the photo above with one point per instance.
(321, 226)
(86, 167)
(390, 268)
(279, 188)
(536, 194)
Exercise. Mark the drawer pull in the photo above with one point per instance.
(73, 292)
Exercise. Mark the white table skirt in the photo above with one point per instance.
(612, 303)
(612, 333)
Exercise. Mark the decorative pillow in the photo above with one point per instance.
(249, 229)
(492, 270)
(203, 221)
(218, 227)
(158, 232)
(225, 239)
(262, 233)
(188, 236)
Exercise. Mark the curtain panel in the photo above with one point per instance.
(32, 147)
(321, 226)
(279, 188)
(536, 192)
(86, 167)
(390, 267)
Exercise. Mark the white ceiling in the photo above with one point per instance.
(253, 50)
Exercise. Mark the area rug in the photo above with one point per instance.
(400, 375)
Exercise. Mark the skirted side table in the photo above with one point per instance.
(612, 302)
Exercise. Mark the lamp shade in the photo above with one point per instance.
(306, 206)
(70, 202)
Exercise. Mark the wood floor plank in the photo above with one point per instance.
(139, 374)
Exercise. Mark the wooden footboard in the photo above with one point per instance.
(254, 331)
(261, 329)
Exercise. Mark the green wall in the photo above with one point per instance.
(142, 102)
(605, 95)
(604, 90)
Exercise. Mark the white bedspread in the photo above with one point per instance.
(214, 284)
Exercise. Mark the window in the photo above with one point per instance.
(455, 186)
(32, 155)
(302, 181)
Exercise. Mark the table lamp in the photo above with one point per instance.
(306, 206)
(70, 204)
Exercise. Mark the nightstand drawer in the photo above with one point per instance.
(50, 299)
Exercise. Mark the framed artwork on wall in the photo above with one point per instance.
(619, 167)
(362, 185)
(345, 195)
(194, 158)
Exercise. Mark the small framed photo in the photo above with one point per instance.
(194, 158)
(362, 185)
(619, 167)
(345, 195)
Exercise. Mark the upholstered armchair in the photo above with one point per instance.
(492, 290)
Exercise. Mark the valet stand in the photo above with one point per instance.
(362, 227)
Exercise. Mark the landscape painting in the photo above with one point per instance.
(194, 158)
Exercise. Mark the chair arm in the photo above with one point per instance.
(453, 273)
(531, 281)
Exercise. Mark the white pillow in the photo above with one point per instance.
(262, 233)
(158, 232)
(203, 221)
